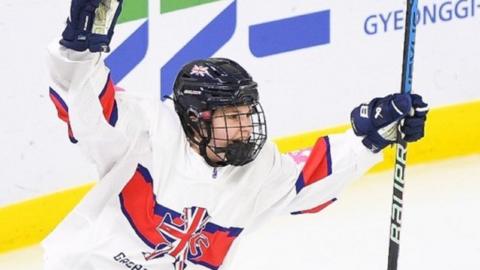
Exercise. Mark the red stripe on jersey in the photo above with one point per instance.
(138, 203)
(213, 257)
(107, 98)
(318, 165)
(315, 209)
(62, 109)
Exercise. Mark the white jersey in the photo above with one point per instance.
(158, 204)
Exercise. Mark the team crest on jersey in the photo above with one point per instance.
(199, 71)
(189, 236)
(184, 238)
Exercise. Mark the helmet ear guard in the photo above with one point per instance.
(206, 115)
(194, 123)
(204, 86)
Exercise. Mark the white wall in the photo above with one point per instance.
(301, 90)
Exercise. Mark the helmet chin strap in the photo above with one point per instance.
(203, 145)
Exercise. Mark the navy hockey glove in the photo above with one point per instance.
(413, 126)
(377, 121)
(90, 25)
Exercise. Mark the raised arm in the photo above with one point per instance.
(337, 160)
(81, 88)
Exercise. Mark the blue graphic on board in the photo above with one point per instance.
(265, 39)
(290, 34)
(205, 44)
(129, 54)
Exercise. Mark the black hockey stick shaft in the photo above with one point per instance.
(401, 151)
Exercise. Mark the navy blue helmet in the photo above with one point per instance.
(204, 87)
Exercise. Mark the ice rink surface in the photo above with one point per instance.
(441, 223)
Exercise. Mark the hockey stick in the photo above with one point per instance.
(401, 151)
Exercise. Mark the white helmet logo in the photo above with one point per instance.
(199, 71)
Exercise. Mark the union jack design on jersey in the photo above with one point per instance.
(183, 240)
(189, 236)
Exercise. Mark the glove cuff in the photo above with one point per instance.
(375, 143)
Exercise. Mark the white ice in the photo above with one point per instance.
(441, 223)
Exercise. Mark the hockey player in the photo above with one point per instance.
(178, 188)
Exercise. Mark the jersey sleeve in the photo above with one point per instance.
(98, 119)
(308, 181)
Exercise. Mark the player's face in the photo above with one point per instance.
(229, 124)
